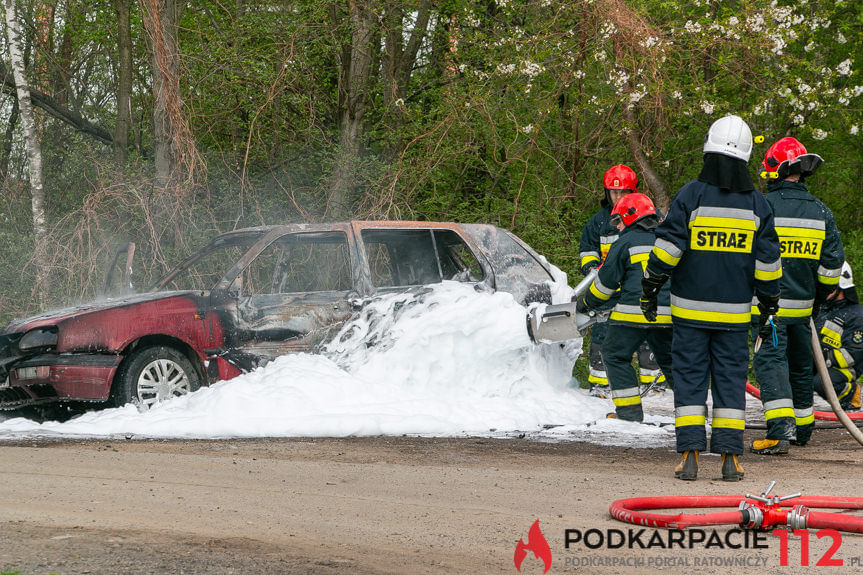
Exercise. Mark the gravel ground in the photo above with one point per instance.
(373, 505)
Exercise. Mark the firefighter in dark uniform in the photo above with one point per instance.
(719, 246)
(635, 217)
(596, 239)
(812, 257)
(840, 329)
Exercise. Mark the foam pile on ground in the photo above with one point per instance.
(445, 361)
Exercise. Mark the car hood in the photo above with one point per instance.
(55, 316)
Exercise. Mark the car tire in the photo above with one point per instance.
(152, 375)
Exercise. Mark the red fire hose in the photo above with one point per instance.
(753, 511)
(822, 415)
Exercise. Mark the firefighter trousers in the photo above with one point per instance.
(784, 375)
(842, 384)
(621, 342)
(715, 359)
(649, 370)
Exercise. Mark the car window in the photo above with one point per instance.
(418, 257)
(456, 260)
(207, 270)
(297, 263)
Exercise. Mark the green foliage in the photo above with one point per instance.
(509, 114)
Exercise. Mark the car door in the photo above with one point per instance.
(293, 296)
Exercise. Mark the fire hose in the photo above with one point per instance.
(753, 511)
(820, 415)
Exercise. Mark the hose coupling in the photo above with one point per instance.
(798, 518)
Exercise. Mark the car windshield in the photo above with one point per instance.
(204, 270)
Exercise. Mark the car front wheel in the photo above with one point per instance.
(152, 375)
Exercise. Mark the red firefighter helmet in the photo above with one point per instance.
(632, 207)
(786, 157)
(620, 177)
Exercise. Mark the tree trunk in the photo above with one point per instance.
(354, 77)
(7, 143)
(34, 150)
(124, 82)
(174, 149)
(644, 167)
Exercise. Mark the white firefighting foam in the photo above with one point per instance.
(446, 361)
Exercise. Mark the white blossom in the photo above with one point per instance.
(619, 79)
(797, 120)
(532, 69)
(706, 106)
(607, 29)
(505, 69)
(755, 22)
(818, 134)
(778, 45)
(844, 67)
(692, 27)
(840, 38)
(676, 95)
(527, 130)
(853, 130)
(809, 47)
(635, 97)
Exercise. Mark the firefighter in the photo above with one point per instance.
(719, 247)
(812, 258)
(840, 328)
(596, 239)
(635, 218)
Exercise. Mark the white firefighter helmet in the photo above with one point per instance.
(846, 280)
(729, 136)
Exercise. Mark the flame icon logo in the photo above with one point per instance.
(535, 542)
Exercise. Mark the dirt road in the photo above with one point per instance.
(372, 505)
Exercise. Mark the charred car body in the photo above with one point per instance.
(247, 297)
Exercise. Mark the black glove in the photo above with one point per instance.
(767, 306)
(651, 283)
(822, 292)
(581, 305)
(585, 269)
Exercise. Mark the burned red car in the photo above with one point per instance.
(248, 296)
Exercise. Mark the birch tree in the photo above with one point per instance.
(31, 140)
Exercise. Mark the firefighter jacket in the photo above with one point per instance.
(623, 269)
(840, 329)
(596, 238)
(810, 246)
(722, 248)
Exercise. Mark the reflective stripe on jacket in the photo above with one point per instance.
(719, 248)
(810, 246)
(596, 238)
(840, 329)
(623, 270)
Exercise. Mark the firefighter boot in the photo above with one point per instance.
(731, 468)
(601, 391)
(687, 469)
(769, 447)
(856, 403)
